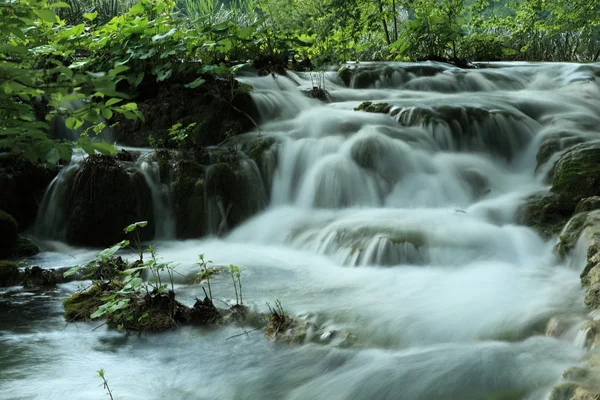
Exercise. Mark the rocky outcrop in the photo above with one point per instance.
(575, 188)
(219, 108)
(11, 244)
(93, 200)
(22, 187)
(216, 191)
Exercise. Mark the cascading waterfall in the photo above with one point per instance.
(161, 200)
(396, 223)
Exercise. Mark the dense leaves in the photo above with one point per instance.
(67, 69)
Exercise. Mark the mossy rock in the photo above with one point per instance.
(564, 391)
(577, 173)
(588, 204)
(106, 197)
(24, 248)
(22, 187)
(589, 221)
(546, 213)
(554, 144)
(81, 305)
(220, 108)
(188, 198)
(377, 108)
(345, 74)
(8, 233)
(9, 274)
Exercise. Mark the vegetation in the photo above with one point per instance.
(69, 69)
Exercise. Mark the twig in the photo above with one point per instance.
(244, 333)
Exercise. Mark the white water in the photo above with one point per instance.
(401, 230)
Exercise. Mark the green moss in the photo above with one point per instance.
(106, 197)
(588, 204)
(9, 273)
(345, 74)
(378, 108)
(546, 213)
(577, 173)
(81, 305)
(188, 198)
(576, 225)
(8, 233)
(564, 391)
(221, 180)
(24, 248)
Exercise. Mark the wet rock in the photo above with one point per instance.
(9, 274)
(588, 204)
(8, 233)
(377, 108)
(107, 196)
(577, 173)
(564, 391)
(189, 198)
(24, 247)
(220, 108)
(591, 273)
(345, 74)
(588, 222)
(22, 187)
(38, 277)
(558, 326)
(555, 144)
(546, 213)
(286, 330)
(81, 305)
(592, 298)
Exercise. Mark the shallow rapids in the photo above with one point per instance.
(397, 223)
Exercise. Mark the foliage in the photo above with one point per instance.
(236, 273)
(43, 84)
(204, 266)
(277, 320)
(105, 383)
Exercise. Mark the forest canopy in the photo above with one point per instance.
(80, 63)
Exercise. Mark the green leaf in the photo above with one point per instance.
(104, 148)
(46, 15)
(73, 123)
(90, 16)
(60, 4)
(52, 156)
(107, 113)
(72, 271)
(106, 253)
(134, 226)
(195, 83)
(160, 38)
(112, 102)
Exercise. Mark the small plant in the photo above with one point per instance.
(277, 319)
(179, 134)
(202, 263)
(105, 383)
(137, 244)
(236, 273)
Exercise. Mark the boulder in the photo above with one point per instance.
(586, 222)
(220, 108)
(547, 213)
(9, 273)
(8, 234)
(22, 187)
(577, 173)
(105, 197)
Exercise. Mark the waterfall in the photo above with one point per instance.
(161, 200)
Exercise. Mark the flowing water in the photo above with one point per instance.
(399, 227)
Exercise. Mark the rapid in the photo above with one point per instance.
(396, 221)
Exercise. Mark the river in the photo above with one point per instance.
(399, 227)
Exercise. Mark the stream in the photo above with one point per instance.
(399, 227)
